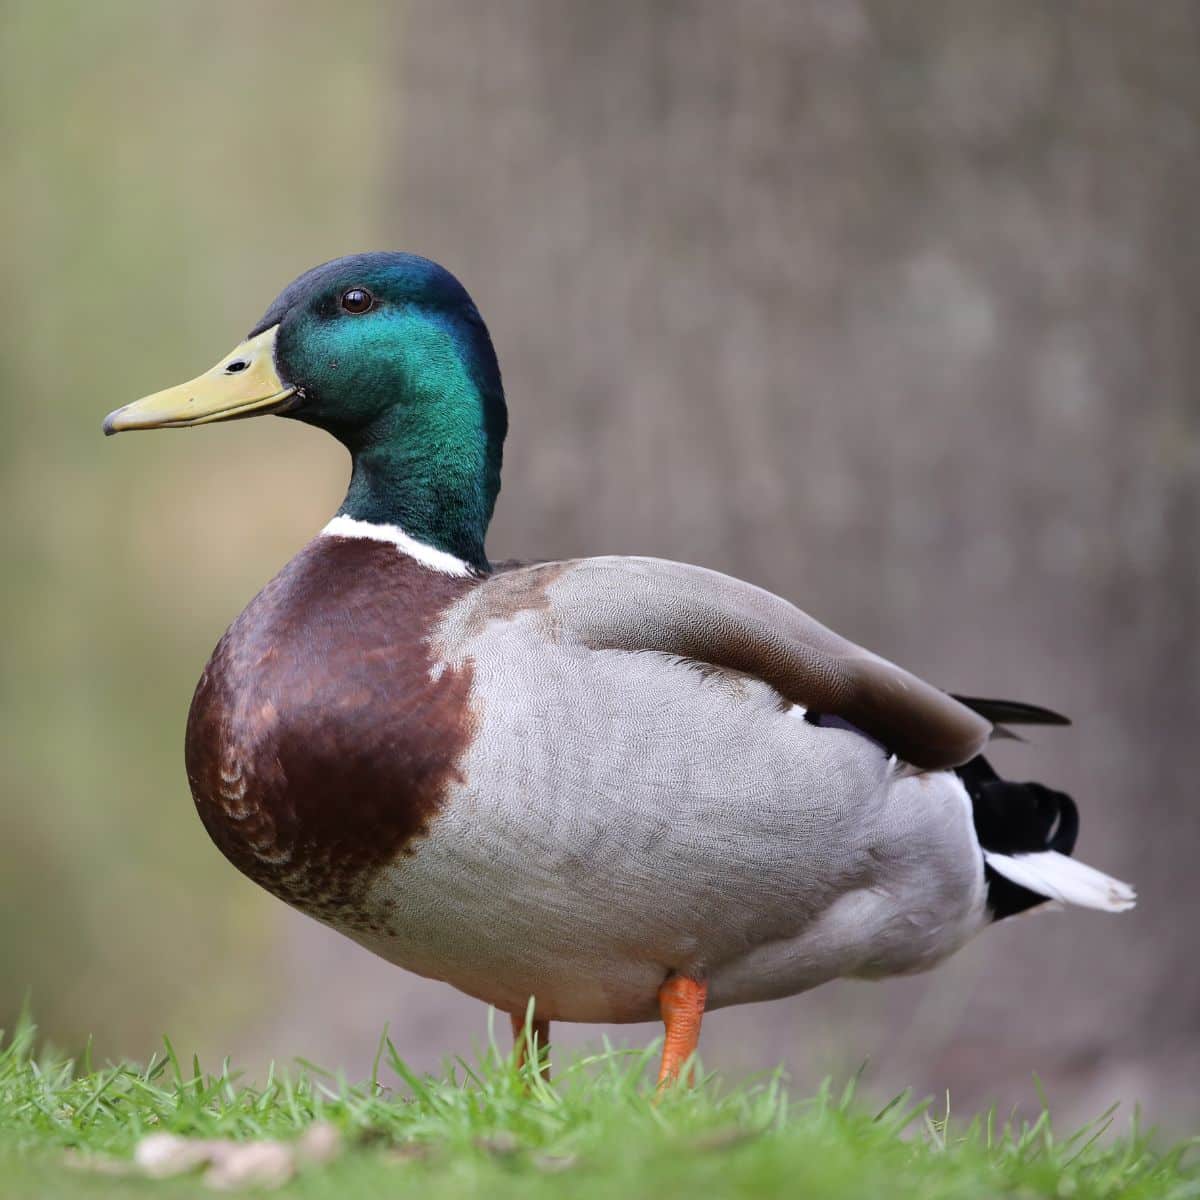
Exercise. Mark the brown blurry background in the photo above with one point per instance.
(890, 307)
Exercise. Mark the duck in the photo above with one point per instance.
(606, 789)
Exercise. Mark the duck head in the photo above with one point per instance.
(387, 353)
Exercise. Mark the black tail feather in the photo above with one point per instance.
(1016, 818)
(1012, 712)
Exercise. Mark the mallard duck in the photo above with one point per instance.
(601, 789)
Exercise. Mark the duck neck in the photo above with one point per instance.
(438, 485)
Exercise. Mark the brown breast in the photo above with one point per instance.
(319, 743)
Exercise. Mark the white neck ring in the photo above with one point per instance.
(427, 556)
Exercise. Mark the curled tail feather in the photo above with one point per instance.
(1027, 832)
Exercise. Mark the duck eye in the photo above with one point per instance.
(357, 300)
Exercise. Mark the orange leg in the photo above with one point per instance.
(541, 1042)
(681, 1002)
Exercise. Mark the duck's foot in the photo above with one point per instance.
(681, 1003)
(539, 1032)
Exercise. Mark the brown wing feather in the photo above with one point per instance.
(650, 604)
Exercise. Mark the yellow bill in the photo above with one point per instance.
(243, 384)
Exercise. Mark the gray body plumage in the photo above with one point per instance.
(624, 813)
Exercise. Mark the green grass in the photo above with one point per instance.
(488, 1129)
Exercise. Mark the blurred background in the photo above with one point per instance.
(889, 307)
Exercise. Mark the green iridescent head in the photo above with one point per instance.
(387, 353)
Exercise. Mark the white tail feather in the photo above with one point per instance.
(1061, 878)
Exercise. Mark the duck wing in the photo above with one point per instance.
(646, 604)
